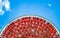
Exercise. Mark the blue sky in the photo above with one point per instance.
(49, 9)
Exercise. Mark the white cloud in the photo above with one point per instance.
(2, 12)
(5, 4)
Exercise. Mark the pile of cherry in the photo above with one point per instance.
(30, 27)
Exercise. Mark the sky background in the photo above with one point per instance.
(49, 9)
